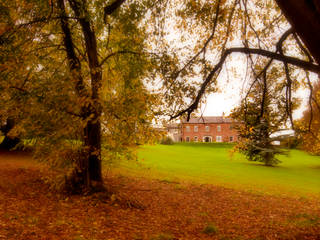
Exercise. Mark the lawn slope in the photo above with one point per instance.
(299, 172)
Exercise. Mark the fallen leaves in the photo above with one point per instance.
(147, 209)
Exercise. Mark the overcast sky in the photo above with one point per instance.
(231, 93)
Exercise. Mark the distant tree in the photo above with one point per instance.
(262, 113)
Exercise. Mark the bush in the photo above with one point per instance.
(167, 141)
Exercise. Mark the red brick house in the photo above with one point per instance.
(209, 129)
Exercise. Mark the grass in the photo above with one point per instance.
(298, 174)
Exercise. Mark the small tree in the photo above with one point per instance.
(262, 112)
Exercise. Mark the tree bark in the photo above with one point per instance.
(90, 174)
(304, 16)
(92, 131)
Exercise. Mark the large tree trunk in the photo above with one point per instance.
(89, 172)
(92, 132)
(93, 144)
(304, 16)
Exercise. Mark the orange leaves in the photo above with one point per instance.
(28, 210)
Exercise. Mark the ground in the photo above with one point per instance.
(141, 208)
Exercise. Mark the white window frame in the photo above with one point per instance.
(219, 128)
(195, 128)
(187, 128)
(218, 138)
(195, 139)
(207, 128)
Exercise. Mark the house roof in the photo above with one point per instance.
(209, 119)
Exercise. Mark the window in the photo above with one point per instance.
(187, 128)
(218, 139)
(207, 128)
(195, 128)
(196, 138)
(219, 128)
(230, 127)
(231, 138)
(187, 139)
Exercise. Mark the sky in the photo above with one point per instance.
(230, 93)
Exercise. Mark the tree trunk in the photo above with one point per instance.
(92, 131)
(89, 172)
(304, 16)
(93, 144)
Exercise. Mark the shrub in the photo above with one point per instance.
(167, 141)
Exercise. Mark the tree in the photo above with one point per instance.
(72, 71)
(309, 125)
(262, 113)
(265, 34)
(301, 14)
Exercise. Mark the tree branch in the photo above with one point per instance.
(115, 53)
(108, 10)
(286, 59)
(205, 44)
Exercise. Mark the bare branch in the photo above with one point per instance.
(205, 44)
(286, 59)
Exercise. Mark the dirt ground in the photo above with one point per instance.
(145, 209)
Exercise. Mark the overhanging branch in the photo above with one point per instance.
(285, 59)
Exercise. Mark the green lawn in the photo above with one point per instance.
(298, 174)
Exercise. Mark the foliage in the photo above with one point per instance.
(309, 125)
(263, 112)
(166, 140)
(211, 33)
(74, 70)
(68, 76)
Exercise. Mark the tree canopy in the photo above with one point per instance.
(79, 74)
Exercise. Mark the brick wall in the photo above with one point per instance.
(205, 131)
